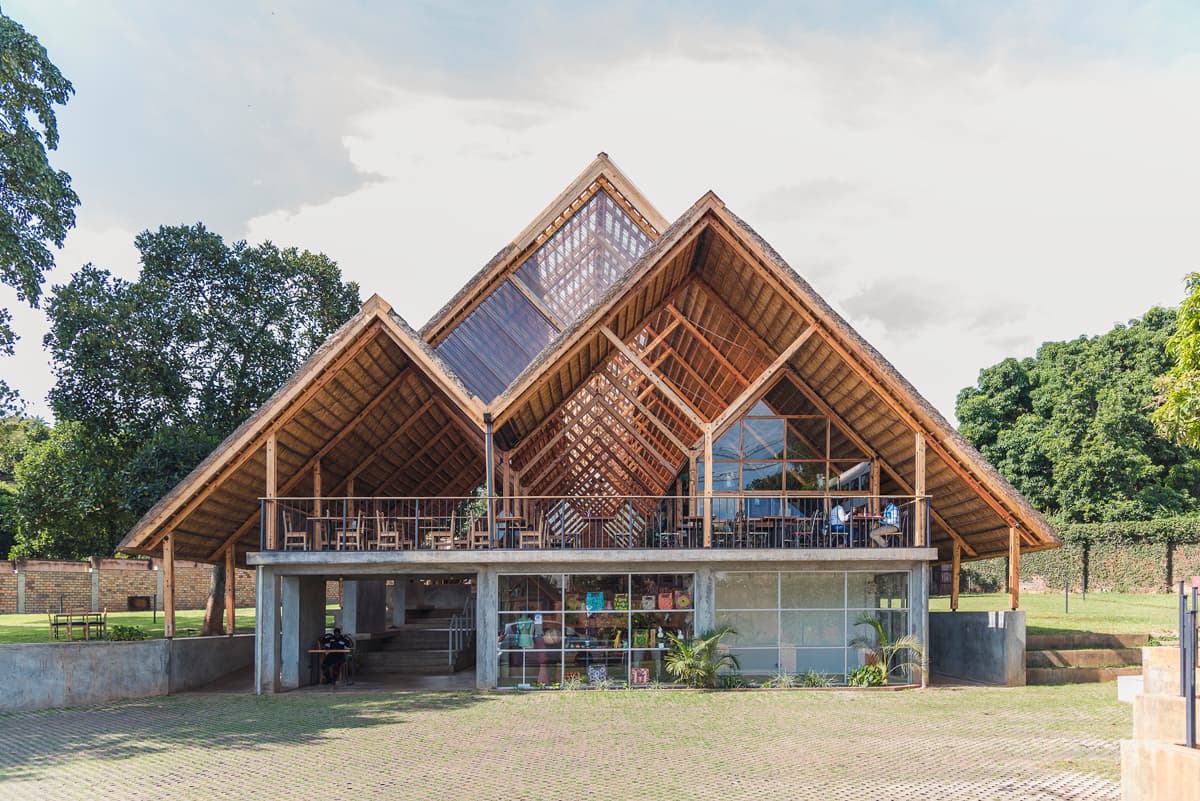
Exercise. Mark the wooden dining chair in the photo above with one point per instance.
(351, 538)
(535, 537)
(443, 539)
(479, 534)
(295, 531)
(387, 532)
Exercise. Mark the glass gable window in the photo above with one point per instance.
(590, 628)
(800, 621)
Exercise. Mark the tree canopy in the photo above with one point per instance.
(1071, 427)
(1178, 416)
(152, 374)
(37, 204)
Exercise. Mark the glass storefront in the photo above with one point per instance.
(801, 621)
(591, 628)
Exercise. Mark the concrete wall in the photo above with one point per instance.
(987, 647)
(48, 675)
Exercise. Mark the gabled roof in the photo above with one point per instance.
(639, 353)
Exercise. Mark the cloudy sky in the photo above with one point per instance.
(962, 180)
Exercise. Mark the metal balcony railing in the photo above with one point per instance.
(599, 521)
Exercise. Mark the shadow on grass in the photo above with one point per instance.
(34, 743)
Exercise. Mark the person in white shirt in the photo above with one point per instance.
(888, 525)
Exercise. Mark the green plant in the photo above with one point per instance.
(781, 680)
(866, 676)
(574, 683)
(812, 678)
(695, 661)
(732, 681)
(905, 654)
(119, 632)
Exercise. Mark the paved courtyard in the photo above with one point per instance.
(943, 743)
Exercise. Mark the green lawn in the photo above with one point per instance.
(1107, 612)
(34, 628)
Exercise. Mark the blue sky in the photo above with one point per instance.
(962, 180)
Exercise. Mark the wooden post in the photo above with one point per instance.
(708, 483)
(317, 529)
(920, 535)
(169, 585)
(874, 505)
(506, 482)
(956, 566)
(1014, 567)
(270, 493)
(230, 590)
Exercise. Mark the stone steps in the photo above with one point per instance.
(1082, 658)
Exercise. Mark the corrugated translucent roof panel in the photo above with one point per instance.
(496, 341)
(583, 257)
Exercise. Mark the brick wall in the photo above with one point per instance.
(116, 580)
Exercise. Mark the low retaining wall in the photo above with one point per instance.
(987, 647)
(48, 675)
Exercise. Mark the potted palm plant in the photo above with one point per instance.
(883, 657)
(695, 661)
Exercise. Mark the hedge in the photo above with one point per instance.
(1133, 556)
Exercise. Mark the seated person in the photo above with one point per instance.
(889, 524)
(838, 519)
(331, 664)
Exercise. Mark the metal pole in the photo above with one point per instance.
(1182, 641)
(1067, 595)
(1190, 698)
(490, 476)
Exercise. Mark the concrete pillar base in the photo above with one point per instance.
(1157, 771)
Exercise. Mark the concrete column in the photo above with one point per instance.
(486, 631)
(704, 600)
(918, 607)
(302, 623)
(399, 600)
(267, 634)
(94, 575)
(363, 607)
(20, 592)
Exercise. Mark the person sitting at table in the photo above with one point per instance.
(331, 664)
(838, 519)
(889, 523)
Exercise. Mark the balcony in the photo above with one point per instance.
(736, 521)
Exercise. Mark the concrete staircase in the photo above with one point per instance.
(1077, 658)
(418, 648)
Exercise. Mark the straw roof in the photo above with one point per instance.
(604, 343)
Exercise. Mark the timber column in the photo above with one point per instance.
(169, 585)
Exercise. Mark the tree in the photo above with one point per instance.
(151, 374)
(1071, 427)
(17, 436)
(1178, 415)
(37, 204)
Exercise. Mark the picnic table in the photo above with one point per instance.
(77, 621)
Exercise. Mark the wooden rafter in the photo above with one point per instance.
(658, 383)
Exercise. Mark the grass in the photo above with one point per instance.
(34, 628)
(1105, 613)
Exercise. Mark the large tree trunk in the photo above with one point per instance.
(214, 610)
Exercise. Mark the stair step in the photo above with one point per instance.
(1077, 675)
(1083, 658)
(1064, 642)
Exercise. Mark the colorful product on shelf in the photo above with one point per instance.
(621, 601)
(683, 600)
(641, 638)
(666, 600)
(574, 602)
(595, 601)
(639, 676)
(597, 674)
(647, 602)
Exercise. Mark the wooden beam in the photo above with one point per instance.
(1014, 568)
(920, 533)
(169, 585)
(628, 425)
(753, 390)
(658, 383)
(400, 431)
(555, 321)
(641, 407)
(698, 334)
(708, 485)
(231, 590)
(272, 517)
(256, 441)
(955, 571)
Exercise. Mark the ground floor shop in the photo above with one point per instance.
(540, 621)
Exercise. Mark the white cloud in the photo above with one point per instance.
(1024, 201)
